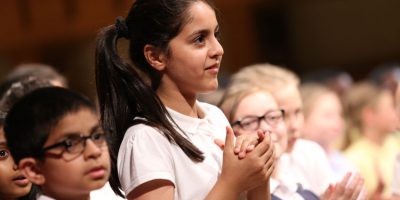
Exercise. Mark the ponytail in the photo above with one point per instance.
(123, 95)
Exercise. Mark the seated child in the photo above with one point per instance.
(55, 137)
(13, 184)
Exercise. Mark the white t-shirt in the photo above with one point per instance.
(308, 165)
(396, 176)
(145, 155)
(284, 190)
(43, 197)
(104, 193)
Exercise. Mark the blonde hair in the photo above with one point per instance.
(359, 97)
(310, 92)
(234, 95)
(251, 79)
(268, 76)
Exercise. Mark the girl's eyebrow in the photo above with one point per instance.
(3, 143)
(204, 31)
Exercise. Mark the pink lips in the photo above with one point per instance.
(21, 181)
(97, 172)
(213, 69)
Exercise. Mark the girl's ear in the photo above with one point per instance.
(155, 57)
(30, 168)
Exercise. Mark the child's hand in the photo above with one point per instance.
(251, 171)
(244, 143)
(247, 143)
(346, 189)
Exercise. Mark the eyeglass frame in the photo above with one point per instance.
(259, 118)
(66, 146)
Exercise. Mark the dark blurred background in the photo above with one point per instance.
(304, 35)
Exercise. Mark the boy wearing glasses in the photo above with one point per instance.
(55, 137)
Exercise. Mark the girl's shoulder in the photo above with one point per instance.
(143, 132)
(211, 110)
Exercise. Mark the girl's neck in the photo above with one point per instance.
(374, 136)
(176, 100)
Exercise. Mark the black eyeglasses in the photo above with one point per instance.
(75, 145)
(252, 123)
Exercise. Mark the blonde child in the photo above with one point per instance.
(304, 161)
(371, 118)
(324, 124)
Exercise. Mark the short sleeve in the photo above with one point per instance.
(144, 155)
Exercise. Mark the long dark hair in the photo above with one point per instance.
(122, 92)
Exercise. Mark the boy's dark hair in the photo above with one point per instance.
(123, 90)
(30, 120)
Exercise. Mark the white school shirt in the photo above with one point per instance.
(104, 193)
(43, 197)
(145, 155)
(396, 176)
(308, 165)
(284, 190)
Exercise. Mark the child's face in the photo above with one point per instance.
(289, 99)
(324, 122)
(385, 118)
(259, 104)
(196, 53)
(73, 175)
(12, 183)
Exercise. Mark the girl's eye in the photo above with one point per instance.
(217, 35)
(199, 39)
(4, 154)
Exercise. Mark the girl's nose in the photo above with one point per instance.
(217, 50)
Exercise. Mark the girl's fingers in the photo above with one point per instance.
(341, 186)
(358, 189)
(220, 143)
(263, 147)
(229, 138)
(238, 145)
(248, 145)
(261, 135)
(269, 168)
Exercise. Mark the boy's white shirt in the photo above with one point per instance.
(104, 193)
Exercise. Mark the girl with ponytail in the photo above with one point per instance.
(163, 140)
